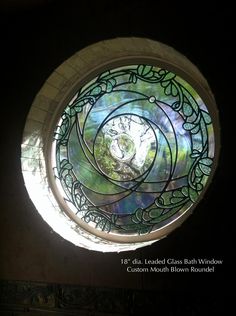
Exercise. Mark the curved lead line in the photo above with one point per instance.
(109, 116)
(169, 147)
(84, 171)
(127, 114)
(107, 199)
(93, 108)
(91, 159)
(123, 198)
(147, 172)
(176, 142)
(178, 182)
(93, 162)
(128, 196)
(87, 153)
(135, 111)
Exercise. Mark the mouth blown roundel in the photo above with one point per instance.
(133, 150)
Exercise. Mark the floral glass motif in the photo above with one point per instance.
(133, 150)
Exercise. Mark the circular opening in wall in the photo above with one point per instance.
(120, 144)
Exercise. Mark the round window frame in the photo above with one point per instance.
(155, 54)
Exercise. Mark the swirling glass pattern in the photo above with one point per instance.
(133, 150)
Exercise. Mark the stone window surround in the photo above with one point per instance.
(47, 107)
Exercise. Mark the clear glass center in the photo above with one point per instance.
(125, 147)
(122, 147)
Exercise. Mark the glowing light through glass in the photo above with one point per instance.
(133, 150)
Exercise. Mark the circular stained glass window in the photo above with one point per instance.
(130, 149)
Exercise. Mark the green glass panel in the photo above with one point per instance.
(136, 145)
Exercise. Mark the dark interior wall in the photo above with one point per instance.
(34, 41)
